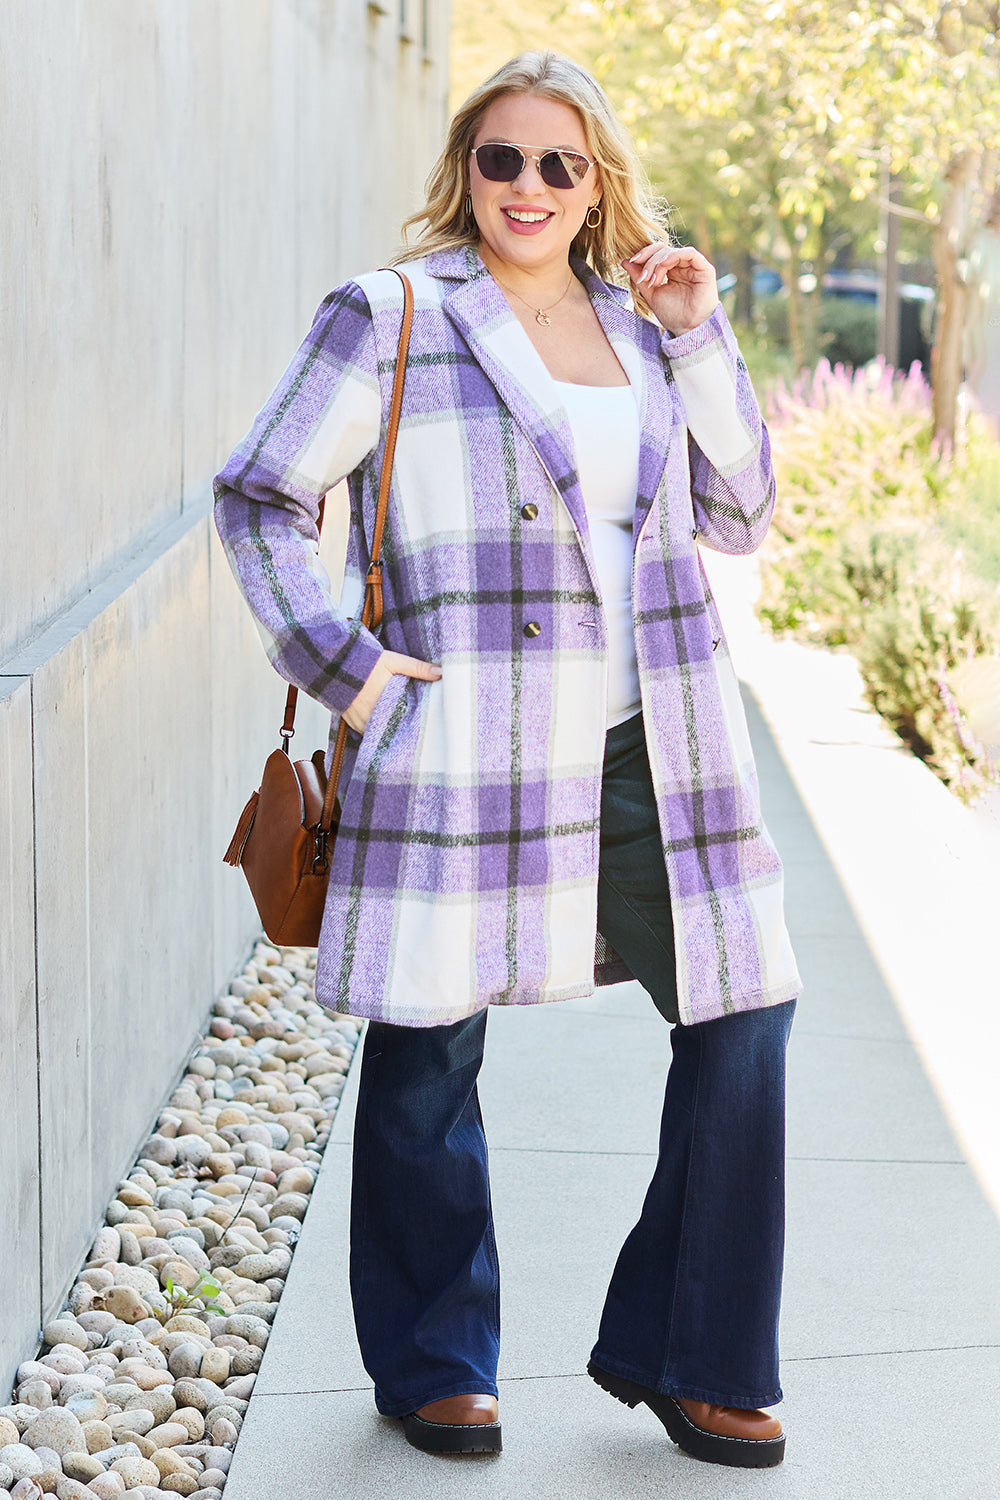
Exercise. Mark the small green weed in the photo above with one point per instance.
(177, 1298)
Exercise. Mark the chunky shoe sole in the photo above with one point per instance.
(452, 1437)
(710, 1447)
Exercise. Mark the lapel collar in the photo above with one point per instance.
(478, 308)
(480, 311)
(637, 343)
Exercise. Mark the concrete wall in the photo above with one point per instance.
(189, 181)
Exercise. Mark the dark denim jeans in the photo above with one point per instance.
(692, 1309)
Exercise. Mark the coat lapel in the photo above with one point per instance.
(477, 307)
(479, 310)
(636, 341)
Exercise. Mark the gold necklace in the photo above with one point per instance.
(539, 312)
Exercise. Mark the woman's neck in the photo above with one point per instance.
(538, 286)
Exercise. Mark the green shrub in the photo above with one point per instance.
(860, 555)
(771, 319)
(848, 331)
(971, 519)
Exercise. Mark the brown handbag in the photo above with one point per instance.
(285, 835)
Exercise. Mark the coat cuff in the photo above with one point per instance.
(715, 326)
(338, 686)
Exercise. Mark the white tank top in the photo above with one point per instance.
(604, 421)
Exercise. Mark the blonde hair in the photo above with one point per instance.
(631, 216)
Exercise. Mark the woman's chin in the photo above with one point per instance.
(529, 252)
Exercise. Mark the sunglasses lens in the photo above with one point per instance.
(499, 162)
(562, 169)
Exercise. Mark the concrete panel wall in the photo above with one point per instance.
(123, 928)
(19, 1194)
(191, 181)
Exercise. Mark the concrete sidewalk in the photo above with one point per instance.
(891, 1327)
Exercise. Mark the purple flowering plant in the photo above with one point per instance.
(863, 555)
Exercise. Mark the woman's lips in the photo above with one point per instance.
(520, 226)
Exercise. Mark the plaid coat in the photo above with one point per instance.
(465, 869)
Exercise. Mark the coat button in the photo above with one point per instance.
(532, 629)
(529, 512)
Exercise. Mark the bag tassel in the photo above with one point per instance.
(234, 853)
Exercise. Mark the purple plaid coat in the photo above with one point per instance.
(465, 869)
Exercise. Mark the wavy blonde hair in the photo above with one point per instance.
(631, 216)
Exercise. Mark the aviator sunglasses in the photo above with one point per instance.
(502, 161)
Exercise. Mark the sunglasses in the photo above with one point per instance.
(502, 161)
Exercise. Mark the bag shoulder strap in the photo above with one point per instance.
(371, 611)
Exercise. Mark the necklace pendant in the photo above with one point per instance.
(541, 318)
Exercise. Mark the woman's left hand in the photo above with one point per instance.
(678, 283)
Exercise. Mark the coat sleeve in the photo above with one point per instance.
(732, 482)
(321, 421)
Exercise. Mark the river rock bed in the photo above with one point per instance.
(141, 1384)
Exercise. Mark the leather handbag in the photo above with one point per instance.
(285, 835)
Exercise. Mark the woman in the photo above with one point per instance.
(550, 783)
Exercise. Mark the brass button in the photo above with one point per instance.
(529, 512)
(532, 629)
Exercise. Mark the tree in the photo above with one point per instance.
(798, 107)
(943, 128)
(758, 90)
(485, 35)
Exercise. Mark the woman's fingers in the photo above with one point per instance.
(641, 256)
(657, 263)
(390, 664)
(677, 282)
(411, 666)
(358, 712)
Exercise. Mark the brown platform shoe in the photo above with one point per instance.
(715, 1434)
(456, 1424)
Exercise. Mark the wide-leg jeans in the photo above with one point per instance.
(692, 1308)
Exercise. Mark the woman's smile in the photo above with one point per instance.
(526, 220)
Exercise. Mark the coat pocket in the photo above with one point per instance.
(384, 719)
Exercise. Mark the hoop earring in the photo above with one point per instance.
(593, 223)
(468, 205)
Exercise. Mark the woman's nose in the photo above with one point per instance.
(529, 179)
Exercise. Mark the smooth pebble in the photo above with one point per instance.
(107, 1486)
(136, 1471)
(25, 1489)
(58, 1429)
(37, 1393)
(82, 1466)
(21, 1460)
(193, 1422)
(185, 1361)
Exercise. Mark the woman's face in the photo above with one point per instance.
(524, 223)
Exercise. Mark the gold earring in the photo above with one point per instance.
(468, 204)
(593, 223)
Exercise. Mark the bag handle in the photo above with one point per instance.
(371, 609)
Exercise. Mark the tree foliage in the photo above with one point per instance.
(771, 125)
(801, 108)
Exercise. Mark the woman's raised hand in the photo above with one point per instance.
(678, 283)
(389, 664)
